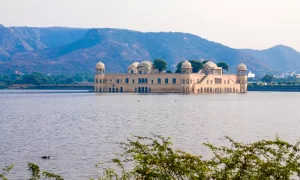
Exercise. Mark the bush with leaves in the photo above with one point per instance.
(5, 172)
(154, 158)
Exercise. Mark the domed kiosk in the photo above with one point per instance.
(242, 69)
(145, 67)
(186, 67)
(132, 69)
(100, 68)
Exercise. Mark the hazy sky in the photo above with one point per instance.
(256, 24)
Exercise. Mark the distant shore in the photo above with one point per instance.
(88, 87)
(282, 88)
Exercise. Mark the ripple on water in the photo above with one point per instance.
(79, 130)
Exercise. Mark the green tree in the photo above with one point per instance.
(31, 79)
(197, 65)
(169, 71)
(160, 64)
(223, 65)
(69, 81)
(80, 77)
(178, 67)
(203, 62)
(267, 78)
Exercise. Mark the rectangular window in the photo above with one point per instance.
(174, 80)
(158, 81)
(133, 81)
(152, 81)
(166, 81)
(139, 81)
(100, 81)
(96, 81)
(207, 81)
(126, 80)
(118, 81)
(218, 81)
(146, 81)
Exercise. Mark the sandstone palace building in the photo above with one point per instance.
(143, 78)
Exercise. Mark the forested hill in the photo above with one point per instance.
(59, 50)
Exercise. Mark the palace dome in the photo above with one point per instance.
(242, 67)
(133, 65)
(100, 65)
(147, 64)
(210, 64)
(186, 65)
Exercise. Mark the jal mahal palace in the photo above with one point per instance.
(143, 78)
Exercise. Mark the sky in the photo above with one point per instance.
(255, 24)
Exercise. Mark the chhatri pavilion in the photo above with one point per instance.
(143, 78)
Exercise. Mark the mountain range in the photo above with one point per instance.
(60, 50)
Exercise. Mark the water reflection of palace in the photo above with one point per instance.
(143, 78)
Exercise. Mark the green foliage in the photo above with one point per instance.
(197, 65)
(223, 65)
(169, 71)
(267, 78)
(203, 62)
(265, 159)
(160, 64)
(178, 67)
(37, 78)
(153, 158)
(51, 175)
(36, 173)
(5, 172)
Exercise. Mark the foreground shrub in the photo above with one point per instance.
(154, 158)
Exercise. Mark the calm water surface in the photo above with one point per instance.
(79, 130)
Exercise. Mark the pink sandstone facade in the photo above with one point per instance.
(143, 78)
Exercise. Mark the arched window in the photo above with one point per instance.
(158, 81)
(174, 80)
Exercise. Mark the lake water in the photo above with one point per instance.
(79, 130)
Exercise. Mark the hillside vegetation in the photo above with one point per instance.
(59, 50)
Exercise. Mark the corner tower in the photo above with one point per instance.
(99, 77)
(242, 77)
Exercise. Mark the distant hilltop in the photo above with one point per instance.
(60, 50)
